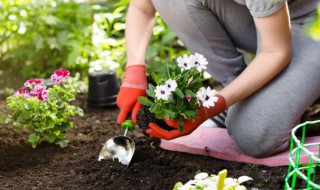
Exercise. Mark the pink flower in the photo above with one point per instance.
(40, 92)
(188, 97)
(31, 82)
(37, 90)
(23, 91)
(60, 75)
(43, 95)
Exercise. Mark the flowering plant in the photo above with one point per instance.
(43, 112)
(205, 181)
(178, 93)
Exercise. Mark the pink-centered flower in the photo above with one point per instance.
(60, 75)
(43, 95)
(37, 90)
(31, 82)
(188, 97)
(23, 91)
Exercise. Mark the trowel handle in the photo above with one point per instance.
(127, 124)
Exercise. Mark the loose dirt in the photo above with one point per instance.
(76, 167)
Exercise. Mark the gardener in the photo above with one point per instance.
(266, 98)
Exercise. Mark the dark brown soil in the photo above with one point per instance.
(76, 167)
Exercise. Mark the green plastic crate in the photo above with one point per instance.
(302, 172)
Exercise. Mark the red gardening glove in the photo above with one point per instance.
(134, 84)
(188, 126)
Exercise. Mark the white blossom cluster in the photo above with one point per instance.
(205, 181)
(204, 95)
(197, 60)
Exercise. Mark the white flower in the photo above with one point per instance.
(162, 92)
(201, 175)
(200, 61)
(206, 182)
(171, 85)
(207, 96)
(185, 62)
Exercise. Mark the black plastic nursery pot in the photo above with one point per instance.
(103, 89)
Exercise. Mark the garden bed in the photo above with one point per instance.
(76, 167)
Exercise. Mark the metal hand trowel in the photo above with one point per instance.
(120, 147)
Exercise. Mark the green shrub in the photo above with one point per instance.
(44, 113)
(38, 36)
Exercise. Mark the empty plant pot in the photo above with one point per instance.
(103, 89)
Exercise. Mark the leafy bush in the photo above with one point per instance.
(43, 112)
(38, 36)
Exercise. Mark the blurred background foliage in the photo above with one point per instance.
(314, 30)
(39, 36)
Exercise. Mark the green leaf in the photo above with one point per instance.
(34, 140)
(180, 122)
(63, 143)
(50, 138)
(167, 38)
(169, 114)
(179, 103)
(53, 116)
(177, 186)
(179, 93)
(167, 71)
(23, 116)
(190, 113)
(154, 107)
(160, 115)
(171, 99)
(150, 91)
(145, 101)
(79, 111)
(189, 92)
(28, 106)
(155, 78)
(57, 133)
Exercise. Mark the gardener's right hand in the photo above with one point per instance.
(134, 84)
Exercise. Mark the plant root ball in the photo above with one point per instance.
(144, 117)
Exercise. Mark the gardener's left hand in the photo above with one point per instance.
(156, 131)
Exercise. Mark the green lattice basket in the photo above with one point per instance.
(304, 160)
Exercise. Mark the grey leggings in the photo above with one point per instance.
(261, 124)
